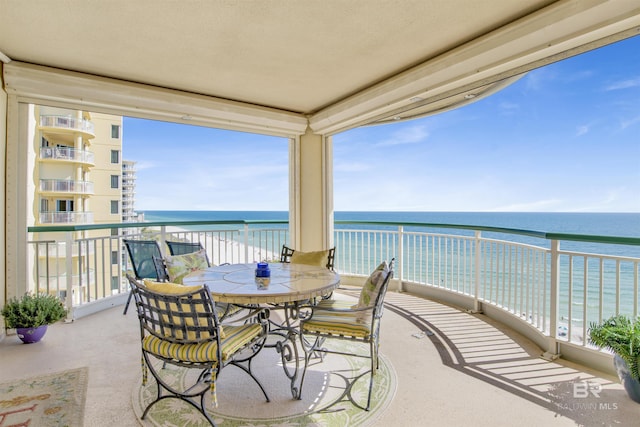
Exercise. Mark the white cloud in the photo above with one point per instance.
(536, 79)
(351, 167)
(509, 107)
(626, 123)
(535, 206)
(145, 164)
(582, 130)
(623, 84)
(406, 135)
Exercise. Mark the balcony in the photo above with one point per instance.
(61, 125)
(67, 154)
(452, 368)
(477, 313)
(66, 218)
(66, 186)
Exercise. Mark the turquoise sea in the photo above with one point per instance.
(598, 224)
(586, 224)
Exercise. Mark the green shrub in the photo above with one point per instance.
(621, 335)
(33, 310)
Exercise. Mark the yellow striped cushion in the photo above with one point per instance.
(341, 324)
(237, 337)
(335, 303)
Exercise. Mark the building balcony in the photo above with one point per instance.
(452, 368)
(67, 154)
(66, 217)
(66, 186)
(469, 325)
(61, 126)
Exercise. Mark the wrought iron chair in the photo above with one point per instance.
(287, 255)
(179, 326)
(342, 320)
(141, 254)
(182, 248)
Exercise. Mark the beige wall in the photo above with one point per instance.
(100, 175)
(311, 192)
(3, 144)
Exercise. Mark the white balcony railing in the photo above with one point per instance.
(67, 153)
(553, 291)
(66, 186)
(66, 217)
(70, 123)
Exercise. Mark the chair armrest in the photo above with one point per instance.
(340, 310)
(262, 313)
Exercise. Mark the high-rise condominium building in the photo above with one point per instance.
(77, 169)
(128, 191)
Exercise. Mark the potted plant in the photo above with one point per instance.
(621, 335)
(31, 313)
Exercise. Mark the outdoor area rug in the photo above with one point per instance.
(241, 403)
(50, 400)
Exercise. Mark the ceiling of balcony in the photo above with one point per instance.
(335, 63)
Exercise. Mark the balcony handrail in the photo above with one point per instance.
(66, 122)
(67, 153)
(66, 186)
(505, 279)
(616, 240)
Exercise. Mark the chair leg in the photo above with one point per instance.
(126, 306)
(186, 396)
(247, 369)
(307, 356)
(373, 348)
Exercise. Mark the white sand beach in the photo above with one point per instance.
(223, 246)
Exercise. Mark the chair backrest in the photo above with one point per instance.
(185, 318)
(161, 269)
(285, 256)
(379, 304)
(330, 258)
(182, 248)
(141, 253)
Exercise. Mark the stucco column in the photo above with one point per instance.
(311, 192)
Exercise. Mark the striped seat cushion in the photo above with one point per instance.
(236, 338)
(338, 323)
(335, 304)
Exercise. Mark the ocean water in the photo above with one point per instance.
(587, 224)
(596, 224)
(605, 224)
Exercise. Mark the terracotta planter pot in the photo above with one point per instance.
(31, 335)
(631, 385)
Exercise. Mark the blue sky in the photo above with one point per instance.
(564, 138)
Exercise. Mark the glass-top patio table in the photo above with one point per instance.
(291, 285)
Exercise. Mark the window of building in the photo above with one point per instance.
(115, 156)
(115, 285)
(114, 257)
(44, 205)
(115, 181)
(115, 131)
(115, 232)
(114, 206)
(64, 205)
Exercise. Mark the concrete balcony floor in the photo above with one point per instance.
(453, 369)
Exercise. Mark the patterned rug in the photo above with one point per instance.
(48, 400)
(240, 402)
